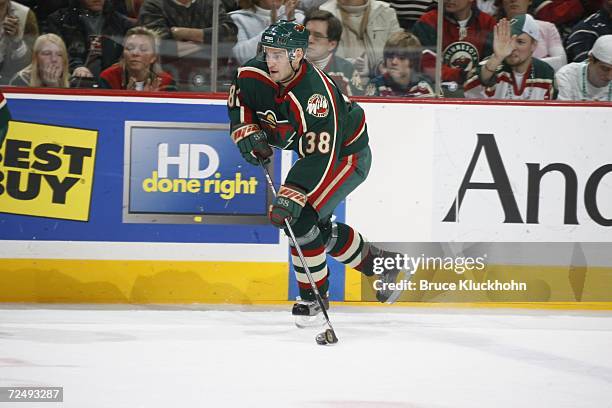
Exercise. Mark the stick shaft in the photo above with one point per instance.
(299, 251)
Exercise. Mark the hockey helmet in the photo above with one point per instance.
(285, 34)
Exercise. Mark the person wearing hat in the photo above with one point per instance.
(512, 72)
(590, 80)
(550, 46)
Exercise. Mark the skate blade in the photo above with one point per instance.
(398, 292)
(309, 321)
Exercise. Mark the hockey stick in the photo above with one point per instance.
(329, 336)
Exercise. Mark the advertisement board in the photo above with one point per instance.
(189, 173)
(147, 200)
(118, 145)
(482, 173)
(47, 171)
(525, 173)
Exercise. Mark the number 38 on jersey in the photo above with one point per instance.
(316, 143)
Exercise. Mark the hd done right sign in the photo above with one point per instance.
(189, 173)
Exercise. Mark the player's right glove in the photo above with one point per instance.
(253, 144)
(287, 205)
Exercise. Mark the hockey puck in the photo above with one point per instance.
(327, 337)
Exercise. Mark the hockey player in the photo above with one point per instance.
(281, 99)
(5, 116)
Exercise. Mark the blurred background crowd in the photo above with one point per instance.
(501, 49)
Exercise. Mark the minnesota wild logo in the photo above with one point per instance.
(317, 106)
(462, 55)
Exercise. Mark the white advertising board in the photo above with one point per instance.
(522, 173)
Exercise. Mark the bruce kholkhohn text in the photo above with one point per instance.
(465, 284)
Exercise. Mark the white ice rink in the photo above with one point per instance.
(254, 357)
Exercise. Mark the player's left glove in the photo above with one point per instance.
(287, 206)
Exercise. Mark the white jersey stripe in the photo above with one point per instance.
(299, 106)
(311, 261)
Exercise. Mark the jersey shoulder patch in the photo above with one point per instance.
(318, 106)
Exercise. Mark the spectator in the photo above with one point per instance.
(17, 34)
(325, 33)
(564, 14)
(310, 5)
(584, 34)
(590, 80)
(366, 27)
(139, 68)
(402, 55)
(591, 6)
(254, 17)
(49, 67)
(550, 48)
(42, 9)
(465, 32)
(409, 11)
(129, 8)
(185, 27)
(512, 72)
(93, 32)
(487, 6)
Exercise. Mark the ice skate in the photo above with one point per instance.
(386, 295)
(307, 313)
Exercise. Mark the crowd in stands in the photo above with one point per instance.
(501, 49)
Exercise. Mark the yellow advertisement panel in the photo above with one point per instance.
(47, 171)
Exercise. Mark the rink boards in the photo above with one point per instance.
(145, 200)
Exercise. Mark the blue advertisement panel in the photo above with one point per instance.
(185, 172)
(134, 172)
(144, 139)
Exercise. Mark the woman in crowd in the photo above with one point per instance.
(254, 17)
(550, 47)
(139, 67)
(49, 67)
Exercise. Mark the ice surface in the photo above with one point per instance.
(255, 357)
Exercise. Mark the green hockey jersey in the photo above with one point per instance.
(5, 117)
(309, 116)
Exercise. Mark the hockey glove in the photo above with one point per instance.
(261, 148)
(287, 205)
(253, 144)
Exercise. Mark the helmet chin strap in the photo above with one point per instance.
(295, 70)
